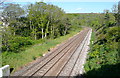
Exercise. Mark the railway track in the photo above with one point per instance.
(61, 61)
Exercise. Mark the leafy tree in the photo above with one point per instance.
(11, 13)
(44, 19)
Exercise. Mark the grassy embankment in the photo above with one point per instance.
(17, 60)
(103, 60)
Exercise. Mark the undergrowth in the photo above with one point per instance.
(103, 58)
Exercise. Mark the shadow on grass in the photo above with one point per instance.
(110, 71)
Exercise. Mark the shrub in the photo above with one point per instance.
(16, 43)
(34, 58)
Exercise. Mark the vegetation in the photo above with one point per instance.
(39, 21)
(18, 60)
(32, 31)
(104, 56)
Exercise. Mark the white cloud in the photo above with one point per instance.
(77, 9)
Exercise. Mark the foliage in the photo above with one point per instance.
(17, 60)
(104, 51)
(32, 31)
(41, 21)
(43, 24)
(16, 43)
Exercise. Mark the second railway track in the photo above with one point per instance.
(61, 61)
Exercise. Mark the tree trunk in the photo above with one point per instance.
(42, 34)
(46, 30)
(45, 35)
(30, 26)
(51, 32)
(65, 31)
(14, 33)
(35, 35)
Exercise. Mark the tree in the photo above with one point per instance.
(45, 19)
(118, 18)
(116, 11)
(11, 13)
(37, 17)
(2, 1)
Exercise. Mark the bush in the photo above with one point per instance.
(16, 43)
(13, 46)
(34, 58)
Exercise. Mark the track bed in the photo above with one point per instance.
(65, 60)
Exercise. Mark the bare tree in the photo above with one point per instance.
(116, 11)
(119, 7)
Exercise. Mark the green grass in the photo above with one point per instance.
(17, 60)
(92, 40)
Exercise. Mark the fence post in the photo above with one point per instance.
(5, 71)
